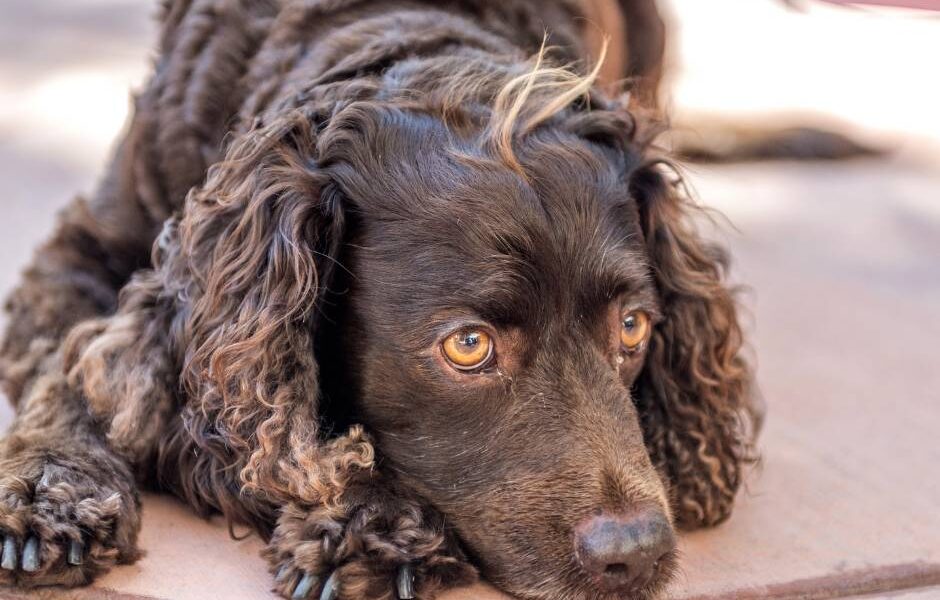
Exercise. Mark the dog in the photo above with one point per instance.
(397, 285)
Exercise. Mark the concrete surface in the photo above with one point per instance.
(842, 262)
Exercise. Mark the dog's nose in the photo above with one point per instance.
(621, 553)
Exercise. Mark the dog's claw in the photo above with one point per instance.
(76, 549)
(329, 588)
(406, 583)
(8, 551)
(31, 555)
(303, 587)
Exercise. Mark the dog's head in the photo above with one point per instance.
(503, 286)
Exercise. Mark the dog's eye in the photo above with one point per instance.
(635, 329)
(468, 349)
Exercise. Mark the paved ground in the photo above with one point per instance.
(843, 264)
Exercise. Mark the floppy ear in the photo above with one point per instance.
(694, 393)
(256, 247)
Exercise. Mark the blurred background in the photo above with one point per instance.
(841, 261)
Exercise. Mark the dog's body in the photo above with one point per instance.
(372, 180)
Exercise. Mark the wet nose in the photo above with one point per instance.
(621, 553)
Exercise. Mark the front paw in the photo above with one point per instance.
(63, 521)
(378, 550)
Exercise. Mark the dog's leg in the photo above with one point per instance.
(174, 135)
(367, 537)
(68, 500)
(69, 508)
(710, 138)
(86, 430)
(77, 273)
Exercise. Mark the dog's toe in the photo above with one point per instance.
(9, 558)
(406, 583)
(28, 557)
(61, 524)
(30, 562)
(304, 587)
(76, 552)
(329, 588)
(308, 582)
(300, 586)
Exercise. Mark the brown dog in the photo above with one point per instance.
(429, 308)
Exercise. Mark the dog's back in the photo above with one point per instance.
(223, 65)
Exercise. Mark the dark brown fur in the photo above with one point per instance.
(346, 199)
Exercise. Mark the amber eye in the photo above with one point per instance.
(634, 329)
(468, 349)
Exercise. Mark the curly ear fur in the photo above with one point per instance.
(255, 247)
(695, 390)
(228, 316)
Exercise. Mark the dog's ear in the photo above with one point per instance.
(257, 244)
(694, 393)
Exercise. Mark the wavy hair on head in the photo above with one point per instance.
(528, 100)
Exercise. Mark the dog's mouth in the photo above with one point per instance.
(664, 572)
(649, 586)
(574, 584)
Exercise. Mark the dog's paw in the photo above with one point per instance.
(388, 550)
(64, 521)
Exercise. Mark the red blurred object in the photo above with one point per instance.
(918, 4)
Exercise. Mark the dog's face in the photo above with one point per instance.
(491, 327)
(505, 288)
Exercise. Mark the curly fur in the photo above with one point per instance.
(354, 172)
(695, 391)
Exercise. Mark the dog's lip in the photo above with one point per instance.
(657, 583)
(575, 584)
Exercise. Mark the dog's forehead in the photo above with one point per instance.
(482, 235)
(416, 168)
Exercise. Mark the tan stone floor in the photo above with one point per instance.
(843, 267)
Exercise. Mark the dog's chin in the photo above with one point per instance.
(567, 584)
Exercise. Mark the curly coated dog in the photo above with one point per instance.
(398, 285)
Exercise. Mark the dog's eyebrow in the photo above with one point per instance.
(506, 290)
(622, 271)
(512, 289)
(621, 274)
